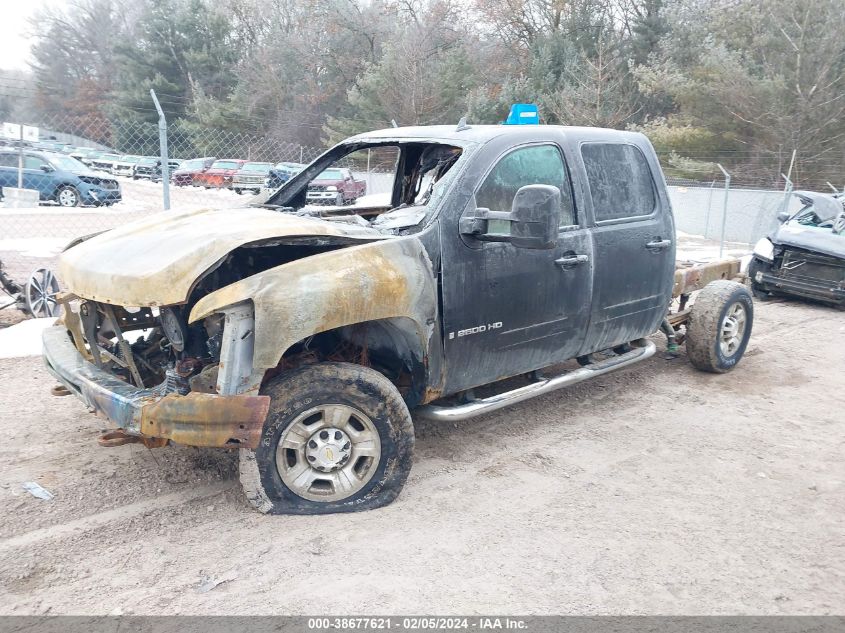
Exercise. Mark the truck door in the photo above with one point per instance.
(634, 243)
(509, 310)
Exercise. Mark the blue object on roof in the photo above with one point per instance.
(523, 114)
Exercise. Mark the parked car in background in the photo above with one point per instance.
(805, 256)
(281, 173)
(250, 178)
(59, 178)
(335, 186)
(125, 165)
(82, 153)
(90, 156)
(104, 162)
(149, 168)
(220, 174)
(189, 169)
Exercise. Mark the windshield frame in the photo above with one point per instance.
(281, 198)
(227, 161)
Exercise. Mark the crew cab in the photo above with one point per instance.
(336, 186)
(515, 258)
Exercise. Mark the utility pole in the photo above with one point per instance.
(162, 141)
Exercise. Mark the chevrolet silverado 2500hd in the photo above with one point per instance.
(305, 336)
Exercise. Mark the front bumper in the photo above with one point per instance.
(818, 290)
(322, 197)
(98, 195)
(197, 419)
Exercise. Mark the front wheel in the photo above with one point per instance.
(68, 196)
(338, 438)
(719, 326)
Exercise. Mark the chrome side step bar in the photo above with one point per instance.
(643, 349)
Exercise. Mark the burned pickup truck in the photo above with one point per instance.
(805, 256)
(304, 336)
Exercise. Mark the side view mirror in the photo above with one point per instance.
(783, 216)
(534, 219)
(46, 169)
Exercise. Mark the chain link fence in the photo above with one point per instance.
(121, 181)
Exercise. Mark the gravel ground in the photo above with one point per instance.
(659, 490)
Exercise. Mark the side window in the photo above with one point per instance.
(32, 162)
(8, 160)
(620, 180)
(534, 165)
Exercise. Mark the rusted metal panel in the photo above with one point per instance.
(692, 277)
(200, 419)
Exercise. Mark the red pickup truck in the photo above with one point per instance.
(220, 173)
(336, 186)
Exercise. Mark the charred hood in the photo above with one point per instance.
(158, 260)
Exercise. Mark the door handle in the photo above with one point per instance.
(568, 261)
(658, 245)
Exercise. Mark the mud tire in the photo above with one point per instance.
(330, 383)
(704, 328)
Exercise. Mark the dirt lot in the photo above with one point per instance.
(657, 490)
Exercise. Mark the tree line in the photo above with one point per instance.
(744, 83)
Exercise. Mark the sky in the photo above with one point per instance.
(15, 30)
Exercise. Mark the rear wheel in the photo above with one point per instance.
(68, 196)
(719, 326)
(338, 438)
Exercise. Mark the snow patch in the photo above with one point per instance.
(24, 338)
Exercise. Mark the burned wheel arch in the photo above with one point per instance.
(389, 283)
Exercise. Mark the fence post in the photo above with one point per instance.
(20, 159)
(787, 191)
(162, 142)
(709, 204)
(724, 208)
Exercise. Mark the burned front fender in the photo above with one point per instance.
(379, 280)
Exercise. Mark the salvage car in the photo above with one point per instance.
(104, 162)
(805, 256)
(336, 186)
(250, 178)
(189, 169)
(149, 168)
(125, 165)
(59, 178)
(281, 173)
(305, 336)
(220, 174)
